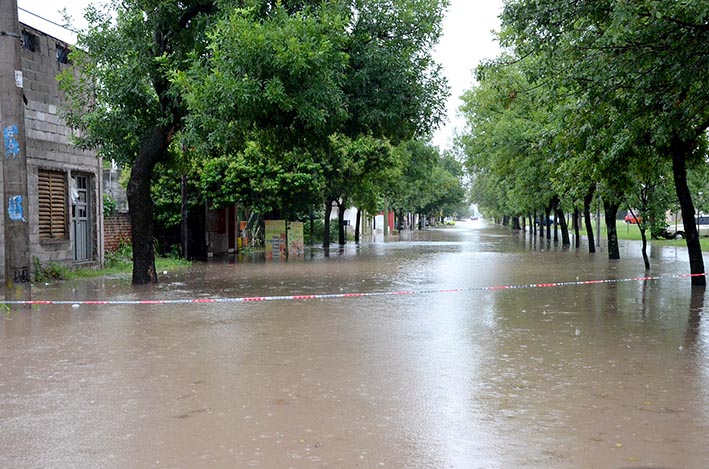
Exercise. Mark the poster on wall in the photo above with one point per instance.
(275, 239)
(296, 241)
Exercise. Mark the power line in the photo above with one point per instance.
(49, 21)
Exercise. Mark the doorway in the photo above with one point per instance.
(81, 228)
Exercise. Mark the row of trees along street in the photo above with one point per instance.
(283, 107)
(594, 100)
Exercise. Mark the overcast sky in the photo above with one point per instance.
(467, 40)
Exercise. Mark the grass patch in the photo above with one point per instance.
(628, 231)
(161, 264)
(55, 271)
(116, 263)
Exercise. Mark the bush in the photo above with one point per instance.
(121, 257)
(51, 271)
(318, 231)
(109, 205)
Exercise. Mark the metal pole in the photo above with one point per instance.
(14, 157)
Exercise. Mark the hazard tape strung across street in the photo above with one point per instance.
(324, 296)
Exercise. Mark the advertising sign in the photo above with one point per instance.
(275, 239)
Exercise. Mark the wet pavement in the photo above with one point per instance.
(607, 375)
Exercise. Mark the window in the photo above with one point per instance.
(52, 205)
(30, 41)
(62, 54)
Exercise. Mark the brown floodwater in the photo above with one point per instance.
(607, 375)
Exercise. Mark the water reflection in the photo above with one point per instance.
(597, 375)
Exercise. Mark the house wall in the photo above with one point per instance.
(49, 147)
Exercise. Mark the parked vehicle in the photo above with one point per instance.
(550, 221)
(677, 230)
(668, 233)
(632, 219)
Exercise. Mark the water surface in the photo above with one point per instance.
(600, 375)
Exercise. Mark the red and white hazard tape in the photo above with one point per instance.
(324, 296)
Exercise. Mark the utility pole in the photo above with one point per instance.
(14, 156)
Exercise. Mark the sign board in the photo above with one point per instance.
(275, 241)
(296, 239)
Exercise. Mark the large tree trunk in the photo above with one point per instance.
(643, 237)
(547, 218)
(611, 209)
(326, 234)
(588, 198)
(679, 150)
(140, 204)
(515, 223)
(564, 227)
(357, 225)
(577, 228)
(560, 219)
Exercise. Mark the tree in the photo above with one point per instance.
(275, 80)
(124, 102)
(306, 81)
(508, 140)
(394, 87)
(651, 55)
(351, 164)
(407, 191)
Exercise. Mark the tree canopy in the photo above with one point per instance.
(257, 95)
(622, 90)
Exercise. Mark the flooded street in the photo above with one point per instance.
(605, 375)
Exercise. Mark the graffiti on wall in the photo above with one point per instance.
(15, 211)
(12, 144)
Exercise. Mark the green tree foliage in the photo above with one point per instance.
(593, 98)
(331, 84)
(427, 182)
(509, 140)
(646, 60)
(123, 101)
(282, 184)
(351, 169)
(445, 189)
(253, 93)
(406, 191)
(394, 88)
(277, 80)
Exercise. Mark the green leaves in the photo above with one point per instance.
(282, 74)
(591, 89)
(333, 82)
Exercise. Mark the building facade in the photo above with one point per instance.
(64, 208)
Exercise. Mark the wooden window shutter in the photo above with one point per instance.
(52, 205)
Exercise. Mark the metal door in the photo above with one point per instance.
(80, 219)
